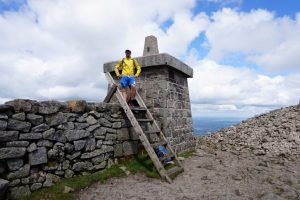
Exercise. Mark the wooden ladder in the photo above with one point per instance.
(159, 162)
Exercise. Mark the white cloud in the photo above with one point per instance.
(78, 92)
(270, 42)
(235, 90)
(184, 29)
(224, 2)
(228, 110)
(56, 49)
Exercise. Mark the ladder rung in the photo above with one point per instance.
(166, 157)
(138, 111)
(145, 120)
(149, 132)
(137, 108)
(157, 144)
(174, 170)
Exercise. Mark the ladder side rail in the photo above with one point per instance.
(161, 135)
(140, 132)
(111, 92)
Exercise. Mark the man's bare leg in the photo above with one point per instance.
(124, 94)
(132, 92)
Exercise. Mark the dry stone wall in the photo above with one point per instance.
(42, 142)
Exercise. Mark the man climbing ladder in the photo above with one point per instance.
(127, 75)
(142, 121)
(139, 117)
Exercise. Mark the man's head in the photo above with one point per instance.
(128, 53)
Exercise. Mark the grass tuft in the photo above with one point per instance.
(186, 154)
(78, 182)
(140, 163)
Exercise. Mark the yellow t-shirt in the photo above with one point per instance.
(128, 67)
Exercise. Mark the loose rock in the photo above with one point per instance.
(17, 192)
(14, 164)
(32, 147)
(76, 134)
(49, 107)
(79, 144)
(3, 187)
(68, 189)
(18, 125)
(19, 116)
(3, 124)
(40, 128)
(39, 156)
(35, 119)
(30, 136)
(8, 136)
(22, 172)
(12, 152)
(17, 144)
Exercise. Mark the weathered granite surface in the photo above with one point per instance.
(162, 59)
(165, 92)
(150, 46)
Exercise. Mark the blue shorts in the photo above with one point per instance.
(127, 81)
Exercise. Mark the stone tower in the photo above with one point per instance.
(163, 85)
(151, 46)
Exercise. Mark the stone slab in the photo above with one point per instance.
(156, 60)
(12, 152)
(39, 156)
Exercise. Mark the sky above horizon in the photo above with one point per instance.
(244, 53)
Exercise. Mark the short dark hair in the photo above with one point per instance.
(127, 51)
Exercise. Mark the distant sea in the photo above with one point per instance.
(202, 126)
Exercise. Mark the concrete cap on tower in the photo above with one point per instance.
(150, 46)
(152, 58)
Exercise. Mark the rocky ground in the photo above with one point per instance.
(256, 159)
(275, 133)
(211, 174)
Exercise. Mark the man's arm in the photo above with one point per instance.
(138, 68)
(117, 68)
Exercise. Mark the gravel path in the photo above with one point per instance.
(210, 175)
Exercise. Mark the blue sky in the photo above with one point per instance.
(11, 5)
(279, 7)
(244, 53)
